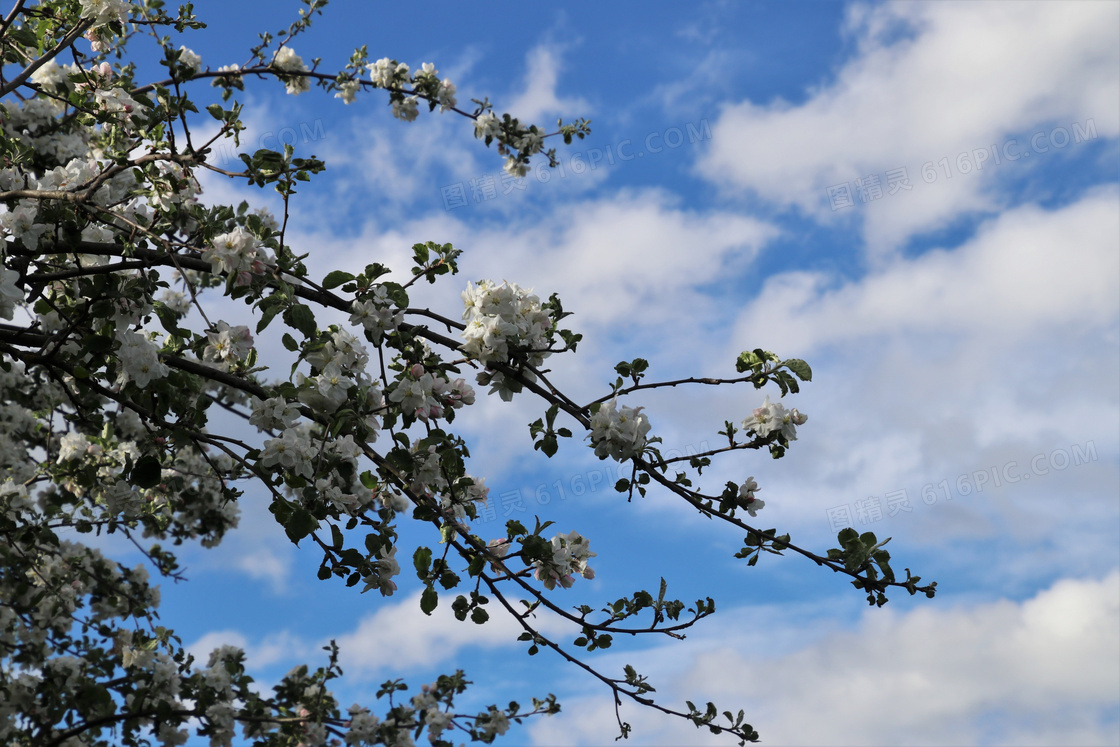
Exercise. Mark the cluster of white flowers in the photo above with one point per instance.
(618, 433)
(102, 12)
(424, 396)
(52, 76)
(487, 125)
(393, 75)
(140, 359)
(116, 101)
(227, 345)
(524, 143)
(293, 451)
(502, 320)
(20, 223)
(773, 416)
(189, 59)
(570, 554)
(178, 188)
(327, 390)
(503, 317)
(445, 90)
(287, 61)
(387, 73)
(272, 413)
(375, 313)
(239, 253)
(406, 108)
(384, 569)
(348, 91)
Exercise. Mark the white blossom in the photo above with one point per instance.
(287, 61)
(406, 108)
(102, 12)
(618, 433)
(190, 60)
(11, 294)
(773, 416)
(140, 359)
(386, 73)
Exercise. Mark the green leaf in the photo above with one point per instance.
(422, 560)
(302, 318)
(479, 616)
(336, 278)
(549, 446)
(799, 367)
(146, 473)
(428, 600)
(300, 524)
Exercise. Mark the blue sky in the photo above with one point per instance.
(918, 198)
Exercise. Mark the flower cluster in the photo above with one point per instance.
(426, 396)
(376, 314)
(396, 76)
(286, 60)
(773, 416)
(504, 324)
(239, 254)
(570, 554)
(456, 499)
(618, 433)
(516, 143)
(227, 345)
(140, 359)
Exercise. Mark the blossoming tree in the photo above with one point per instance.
(111, 366)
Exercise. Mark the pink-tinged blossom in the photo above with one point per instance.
(747, 499)
(773, 416)
(227, 345)
(237, 253)
(570, 554)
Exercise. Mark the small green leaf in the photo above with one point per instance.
(428, 600)
(336, 278)
(799, 367)
(422, 560)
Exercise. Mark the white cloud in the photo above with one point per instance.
(539, 103)
(281, 647)
(929, 80)
(1043, 671)
(1027, 271)
(399, 636)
